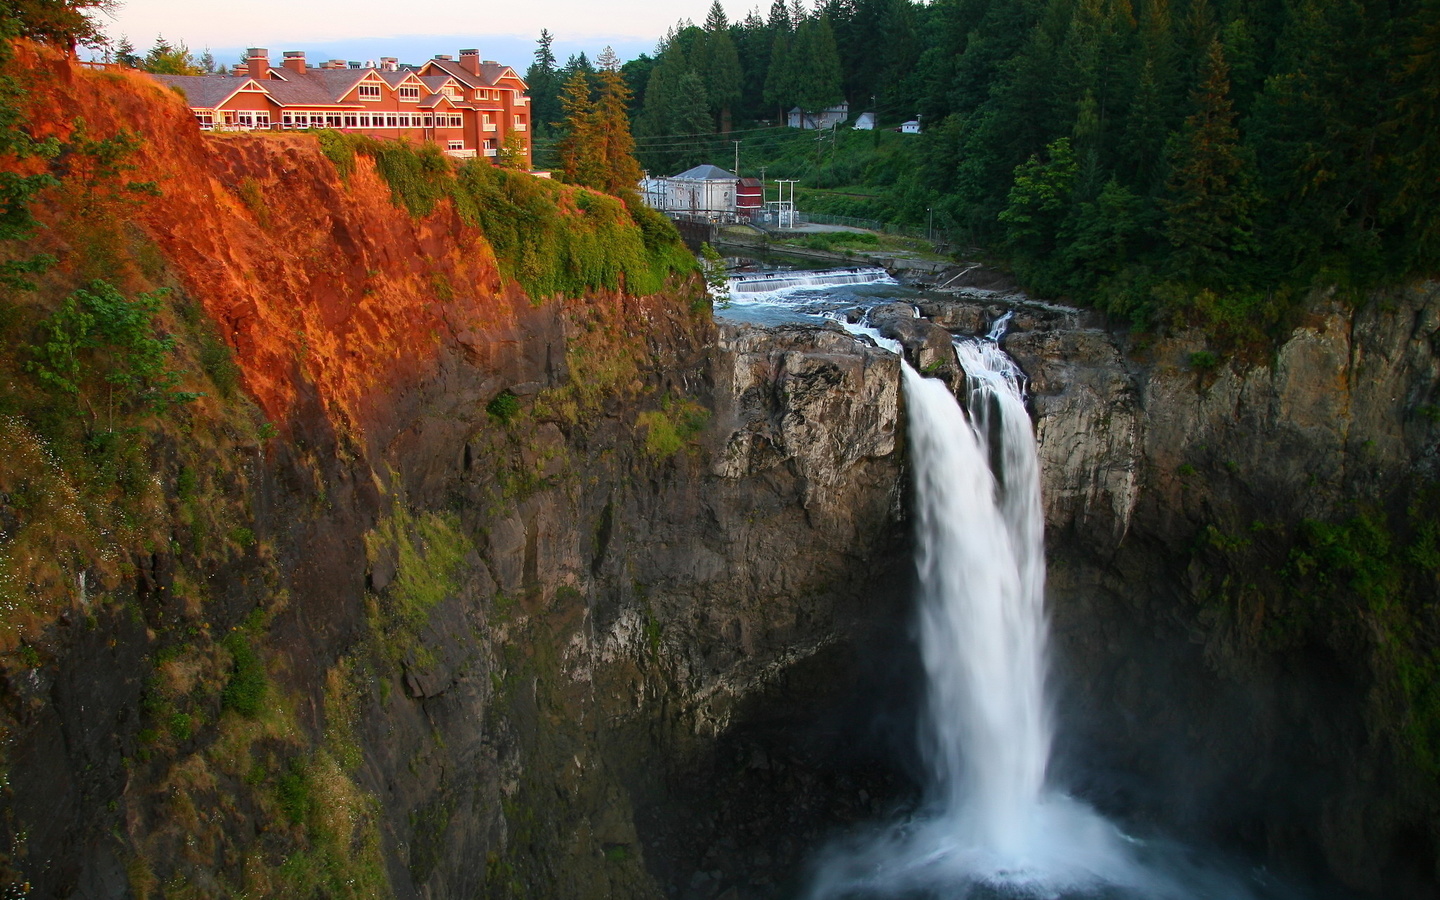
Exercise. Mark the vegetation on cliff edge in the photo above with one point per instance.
(554, 239)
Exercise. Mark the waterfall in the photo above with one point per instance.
(981, 563)
(991, 824)
(774, 281)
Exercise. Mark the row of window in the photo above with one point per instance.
(367, 120)
(256, 119)
(412, 92)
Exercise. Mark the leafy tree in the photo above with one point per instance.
(512, 152)
(62, 22)
(1039, 201)
(98, 329)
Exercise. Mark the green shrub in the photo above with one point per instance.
(98, 331)
(248, 685)
(1203, 360)
(292, 792)
(671, 427)
(218, 363)
(504, 407)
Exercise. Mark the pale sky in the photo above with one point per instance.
(412, 31)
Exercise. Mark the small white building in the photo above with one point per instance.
(798, 118)
(910, 127)
(704, 192)
(864, 122)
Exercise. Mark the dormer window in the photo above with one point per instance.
(369, 92)
(452, 92)
(409, 92)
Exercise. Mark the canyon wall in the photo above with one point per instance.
(440, 589)
(1243, 582)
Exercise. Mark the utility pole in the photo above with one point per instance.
(737, 156)
(929, 224)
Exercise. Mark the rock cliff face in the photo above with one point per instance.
(1223, 690)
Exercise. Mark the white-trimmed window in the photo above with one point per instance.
(457, 145)
(457, 122)
(409, 92)
(369, 92)
(364, 121)
(206, 119)
(452, 92)
(351, 120)
(332, 120)
(262, 120)
(519, 123)
(429, 121)
(392, 121)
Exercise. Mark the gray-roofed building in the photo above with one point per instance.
(705, 191)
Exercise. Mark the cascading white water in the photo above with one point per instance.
(981, 564)
(991, 822)
(774, 281)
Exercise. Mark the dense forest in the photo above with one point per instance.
(1204, 159)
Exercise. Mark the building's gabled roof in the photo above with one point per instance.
(490, 73)
(205, 91)
(395, 79)
(322, 87)
(454, 70)
(707, 173)
(493, 72)
(435, 83)
(434, 100)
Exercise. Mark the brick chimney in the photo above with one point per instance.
(470, 61)
(258, 65)
(295, 61)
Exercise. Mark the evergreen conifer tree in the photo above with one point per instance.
(1211, 203)
(579, 148)
(544, 85)
(619, 171)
